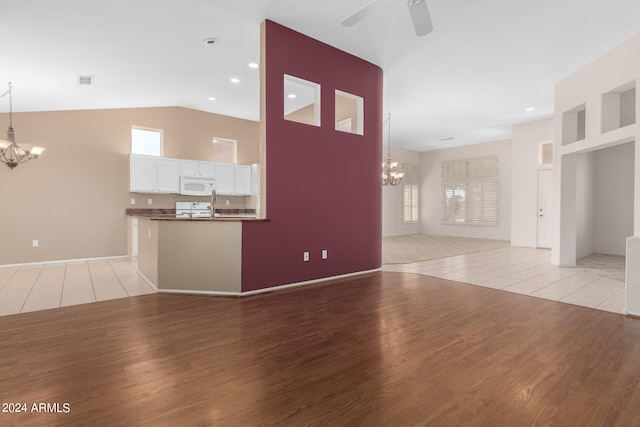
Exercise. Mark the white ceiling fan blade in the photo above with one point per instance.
(420, 17)
(360, 14)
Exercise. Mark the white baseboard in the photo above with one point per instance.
(265, 290)
(63, 261)
(146, 279)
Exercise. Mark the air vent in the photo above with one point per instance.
(85, 80)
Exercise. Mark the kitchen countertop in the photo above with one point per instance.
(228, 215)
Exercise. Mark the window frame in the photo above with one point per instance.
(468, 177)
(148, 129)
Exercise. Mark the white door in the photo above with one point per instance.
(545, 209)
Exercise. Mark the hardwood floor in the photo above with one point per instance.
(385, 349)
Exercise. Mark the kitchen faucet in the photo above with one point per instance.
(193, 205)
(212, 207)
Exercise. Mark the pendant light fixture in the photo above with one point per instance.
(389, 175)
(11, 153)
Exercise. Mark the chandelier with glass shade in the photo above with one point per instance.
(390, 176)
(11, 153)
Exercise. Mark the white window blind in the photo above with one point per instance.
(410, 201)
(470, 191)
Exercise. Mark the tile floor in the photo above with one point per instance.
(529, 271)
(520, 270)
(40, 287)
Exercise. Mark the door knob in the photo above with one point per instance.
(541, 215)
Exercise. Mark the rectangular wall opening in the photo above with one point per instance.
(574, 125)
(619, 107)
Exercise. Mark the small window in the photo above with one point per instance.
(410, 201)
(410, 204)
(301, 101)
(146, 141)
(349, 113)
(225, 150)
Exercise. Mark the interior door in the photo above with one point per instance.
(545, 208)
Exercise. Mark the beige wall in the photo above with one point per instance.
(431, 191)
(72, 199)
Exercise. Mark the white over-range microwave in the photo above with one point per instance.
(197, 185)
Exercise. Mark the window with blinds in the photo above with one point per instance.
(410, 201)
(470, 191)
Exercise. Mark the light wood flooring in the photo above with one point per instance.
(384, 349)
(41, 287)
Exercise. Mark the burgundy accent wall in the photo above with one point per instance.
(324, 187)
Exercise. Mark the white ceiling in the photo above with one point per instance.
(471, 79)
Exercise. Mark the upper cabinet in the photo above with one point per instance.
(198, 168)
(168, 175)
(242, 180)
(153, 174)
(225, 179)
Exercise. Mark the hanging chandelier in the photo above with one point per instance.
(11, 153)
(389, 174)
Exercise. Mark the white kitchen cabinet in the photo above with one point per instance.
(207, 169)
(143, 173)
(153, 174)
(255, 178)
(168, 175)
(189, 167)
(198, 168)
(225, 179)
(242, 183)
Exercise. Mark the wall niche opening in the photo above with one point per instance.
(349, 113)
(574, 124)
(301, 101)
(619, 107)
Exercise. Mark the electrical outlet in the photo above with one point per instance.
(35, 243)
(325, 254)
(133, 201)
(306, 256)
(149, 201)
(227, 202)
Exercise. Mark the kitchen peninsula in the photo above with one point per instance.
(191, 255)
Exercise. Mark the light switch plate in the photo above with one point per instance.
(149, 201)
(133, 201)
(306, 256)
(325, 254)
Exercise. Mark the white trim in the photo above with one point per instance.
(146, 279)
(264, 290)
(27, 264)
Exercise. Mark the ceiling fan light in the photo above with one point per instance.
(420, 17)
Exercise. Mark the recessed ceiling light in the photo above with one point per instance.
(234, 80)
(530, 109)
(210, 41)
(85, 80)
(253, 65)
(291, 96)
(211, 98)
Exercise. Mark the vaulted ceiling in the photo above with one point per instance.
(484, 65)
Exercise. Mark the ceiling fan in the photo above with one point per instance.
(417, 9)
